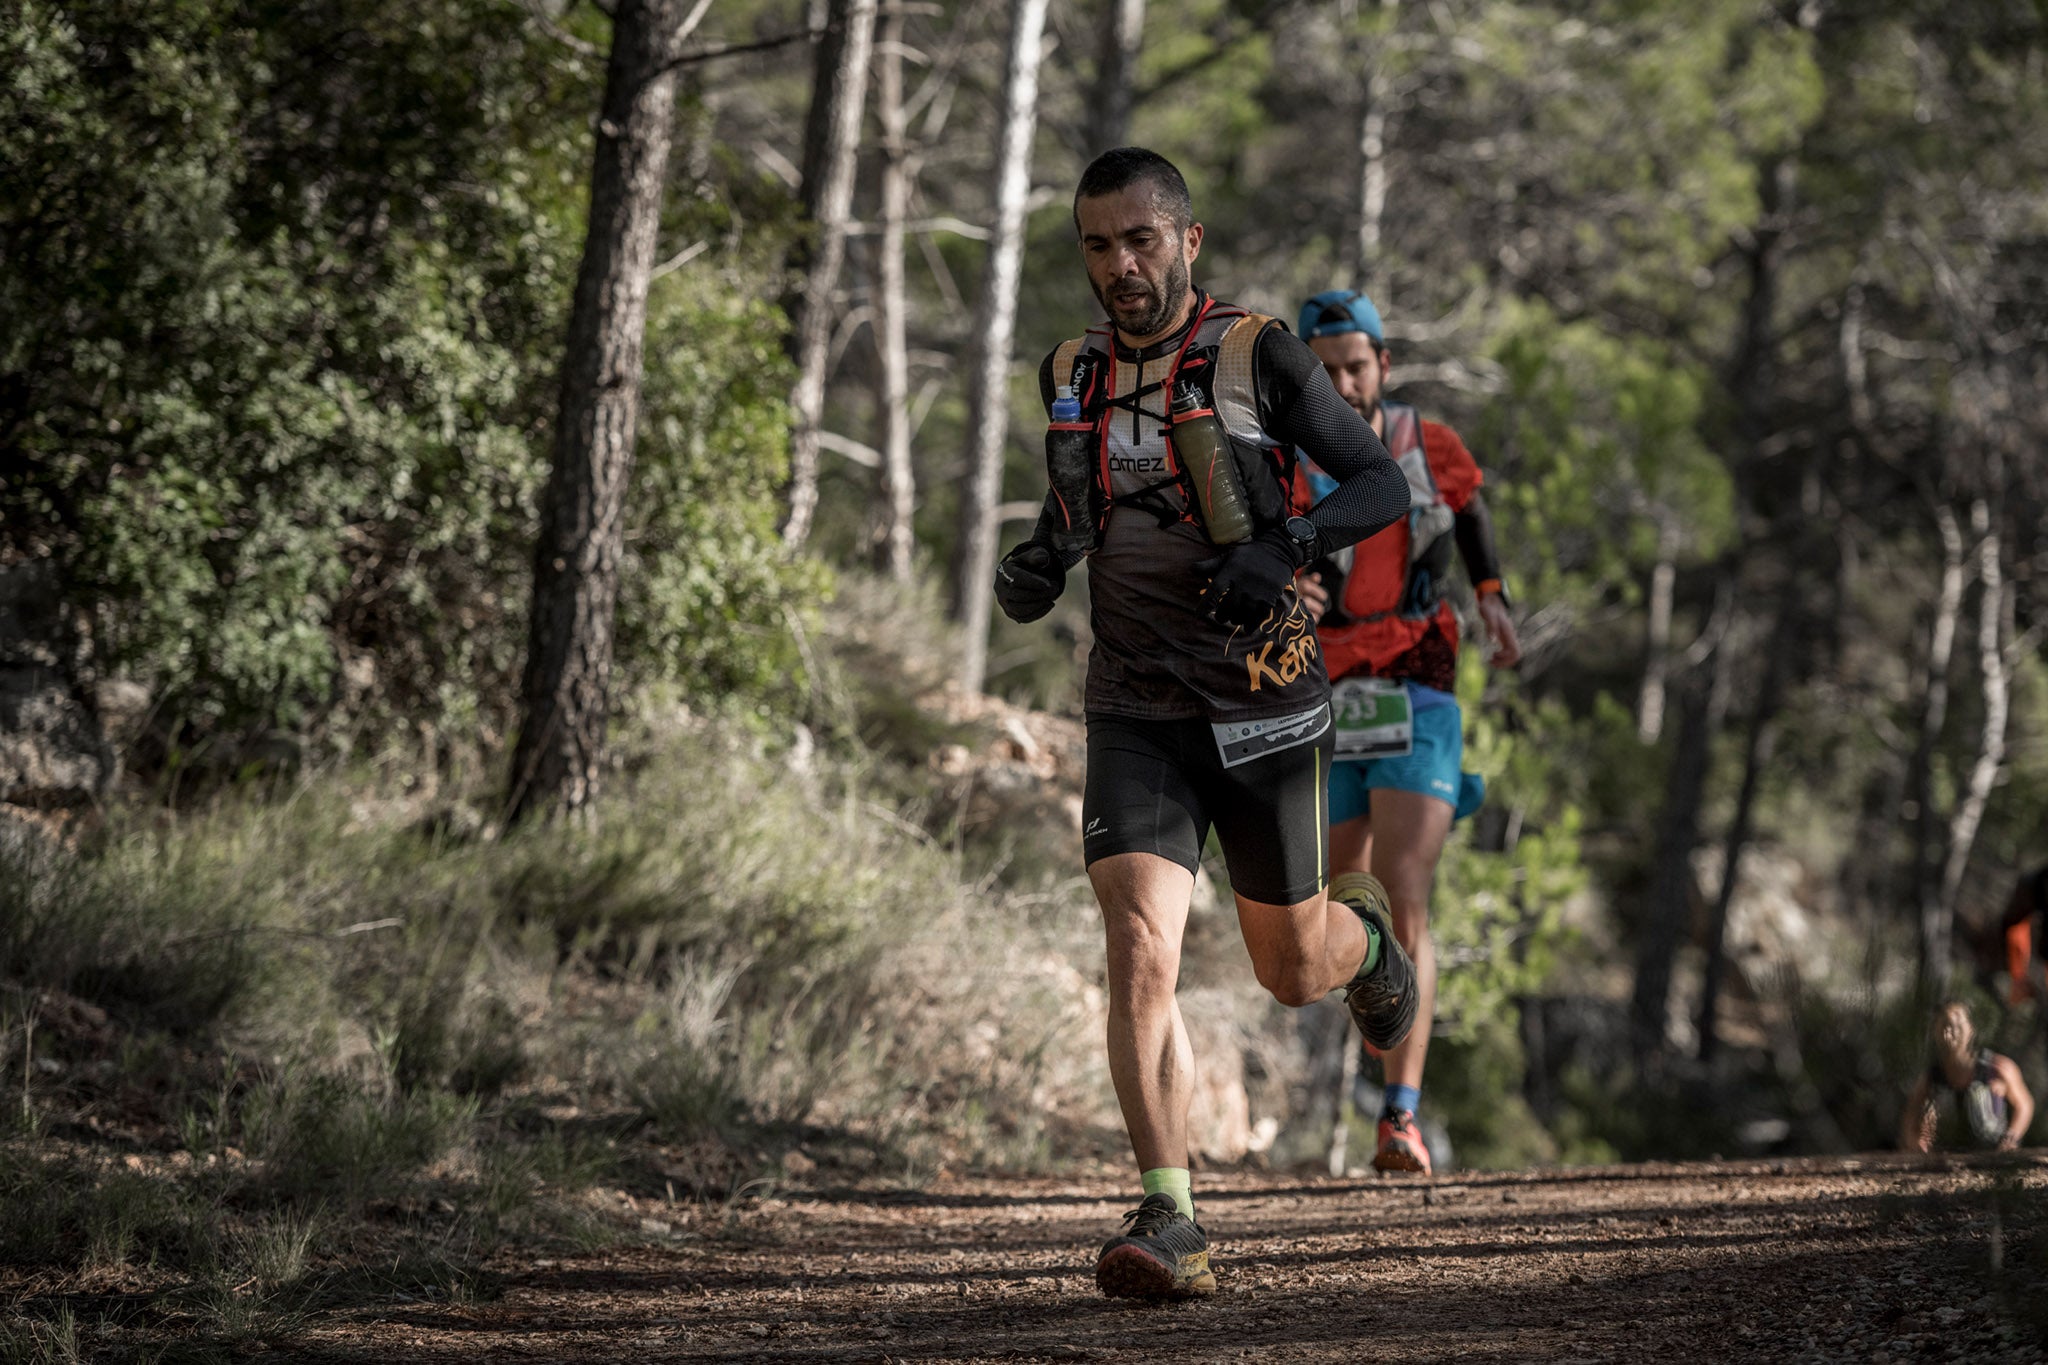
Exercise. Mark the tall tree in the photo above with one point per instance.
(1931, 916)
(1376, 93)
(1756, 756)
(1702, 698)
(831, 138)
(995, 319)
(1116, 74)
(899, 482)
(1657, 631)
(565, 694)
(1994, 612)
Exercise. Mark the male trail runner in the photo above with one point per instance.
(1206, 701)
(1390, 643)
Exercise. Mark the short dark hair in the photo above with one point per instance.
(1119, 168)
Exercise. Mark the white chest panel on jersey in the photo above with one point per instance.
(1137, 442)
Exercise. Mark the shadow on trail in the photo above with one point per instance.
(1755, 1306)
(1068, 1253)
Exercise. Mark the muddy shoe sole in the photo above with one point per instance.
(1130, 1272)
(1383, 1001)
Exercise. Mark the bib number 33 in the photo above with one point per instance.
(1372, 718)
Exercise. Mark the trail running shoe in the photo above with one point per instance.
(1383, 1000)
(1162, 1254)
(1401, 1144)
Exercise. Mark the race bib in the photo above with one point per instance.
(1241, 741)
(1373, 719)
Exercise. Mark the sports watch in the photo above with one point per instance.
(1303, 533)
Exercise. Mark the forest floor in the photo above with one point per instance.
(1872, 1259)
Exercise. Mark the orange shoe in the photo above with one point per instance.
(1401, 1145)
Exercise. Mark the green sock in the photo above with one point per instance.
(1372, 938)
(1171, 1180)
(1372, 950)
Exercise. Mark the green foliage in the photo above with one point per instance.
(279, 335)
(1475, 1086)
(1216, 109)
(269, 360)
(1597, 445)
(1496, 916)
(707, 596)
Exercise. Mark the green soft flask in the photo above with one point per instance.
(1070, 468)
(1203, 448)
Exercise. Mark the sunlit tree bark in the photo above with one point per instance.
(831, 138)
(1374, 114)
(1994, 603)
(1931, 917)
(1657, 664)
(899, 483)
(995, 327)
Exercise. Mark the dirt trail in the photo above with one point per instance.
(1867, 1260)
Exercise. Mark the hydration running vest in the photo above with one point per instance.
(1983, 1111)
(1431, 546)
(1217, 358)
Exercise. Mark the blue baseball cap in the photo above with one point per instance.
(1336, 311)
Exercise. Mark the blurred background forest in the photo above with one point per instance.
(1740, 305)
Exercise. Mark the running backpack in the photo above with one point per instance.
(1217, 359)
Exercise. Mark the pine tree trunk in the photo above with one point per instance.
(1756, 756)
(995, 319)
(1657, 664)
(899, 483)
(1928, 862)
(1992, 607)
(1372, 186)
(565, 693)
(832, 135)
(1116, 74)
(1668, 908)
(1750, 378)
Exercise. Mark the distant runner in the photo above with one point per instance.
(1390, 642)
(1996, 1105)
(2029, 905)
(1170, 460)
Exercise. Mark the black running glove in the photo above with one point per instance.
(1248, 582)
(1028, 581)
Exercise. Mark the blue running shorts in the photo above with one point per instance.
(1433, 767)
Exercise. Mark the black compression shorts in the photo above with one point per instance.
(1157, 786)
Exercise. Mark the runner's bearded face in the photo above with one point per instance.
(1357, 368)
(1138, 261)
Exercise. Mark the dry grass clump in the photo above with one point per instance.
(265, 1052)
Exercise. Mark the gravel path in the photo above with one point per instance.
(1875, 1259)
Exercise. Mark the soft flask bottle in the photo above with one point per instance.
(1204, 451)
(1070, 468)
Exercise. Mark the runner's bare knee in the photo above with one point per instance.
(1285, 961)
